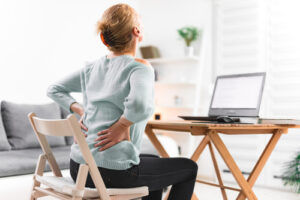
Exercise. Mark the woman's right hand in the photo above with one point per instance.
(82, 127)
(118, 132)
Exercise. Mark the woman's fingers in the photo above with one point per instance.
(102, 137)
(81, 123)
(103, 132)
(83, 126)
(108, 145)
(103, 142)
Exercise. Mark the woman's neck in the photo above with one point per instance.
(131, 52)
(114, 54)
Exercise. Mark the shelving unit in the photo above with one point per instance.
(174, 60)
(177, 85)
(177, 91)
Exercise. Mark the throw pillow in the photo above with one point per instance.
(18, 128)
(4, 145)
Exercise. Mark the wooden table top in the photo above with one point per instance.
(191, 126)
(194, 123)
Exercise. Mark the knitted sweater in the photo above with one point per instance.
(111, 87)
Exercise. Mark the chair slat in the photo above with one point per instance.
(52, 127)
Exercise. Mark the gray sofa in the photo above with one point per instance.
(19, 147)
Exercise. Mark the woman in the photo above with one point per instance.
(118, 99)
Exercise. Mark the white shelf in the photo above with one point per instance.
(176, 107)
(174, 60)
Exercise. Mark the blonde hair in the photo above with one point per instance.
(115, 27)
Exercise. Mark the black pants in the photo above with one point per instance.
(154, 172)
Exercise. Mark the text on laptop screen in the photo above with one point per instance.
(237, 92)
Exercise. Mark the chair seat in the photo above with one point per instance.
(66, 185)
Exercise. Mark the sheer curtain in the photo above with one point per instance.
(262, 35)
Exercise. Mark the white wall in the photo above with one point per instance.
(42, 41)
(161, 20)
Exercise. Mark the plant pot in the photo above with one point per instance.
(189, 51)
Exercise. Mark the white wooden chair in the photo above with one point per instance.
(64, 187)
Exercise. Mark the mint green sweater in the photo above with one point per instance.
(111, 87)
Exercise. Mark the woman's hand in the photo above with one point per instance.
(116, 133)
(77, 108)
(82, 127)
(81, 123)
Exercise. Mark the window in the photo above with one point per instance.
(262, 35)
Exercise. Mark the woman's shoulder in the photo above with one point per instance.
(143, 61)
(142, 67)
(95, 61)
(90, 64)
(142, 64)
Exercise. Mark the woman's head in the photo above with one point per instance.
(120, 28)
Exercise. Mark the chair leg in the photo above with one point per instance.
(81, 179)
(39, 170)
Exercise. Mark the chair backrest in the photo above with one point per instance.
(66, 127)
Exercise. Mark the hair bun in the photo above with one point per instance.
(116, 26)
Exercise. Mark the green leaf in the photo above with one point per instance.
(189, 34)
(291, 174)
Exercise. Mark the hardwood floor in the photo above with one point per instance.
(23, 184)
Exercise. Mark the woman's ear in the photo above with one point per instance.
(136, 31)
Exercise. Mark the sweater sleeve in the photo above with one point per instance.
(139, 104)
(60, 90)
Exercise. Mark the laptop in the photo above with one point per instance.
(235, 97)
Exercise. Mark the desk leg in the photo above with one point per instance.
(236, 172)
(161, 150)
(262, 161)
(200, 148)
(152, 137)
(217, 170)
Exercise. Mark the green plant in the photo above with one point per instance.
(291, 175)
(189, 34)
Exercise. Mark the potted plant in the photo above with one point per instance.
(189, 34)
(291, 175)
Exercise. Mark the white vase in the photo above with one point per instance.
(189, 51)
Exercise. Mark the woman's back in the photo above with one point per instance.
(111, 87)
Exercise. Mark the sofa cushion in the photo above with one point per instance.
(4, 145)
(18, 128)
(24, 161)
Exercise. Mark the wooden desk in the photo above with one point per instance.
(211, 136)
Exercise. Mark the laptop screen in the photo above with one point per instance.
(237, 95)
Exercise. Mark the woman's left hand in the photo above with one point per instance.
(113, 135)
(82, 127)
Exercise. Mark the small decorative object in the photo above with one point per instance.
(291, 175)
(157, 116)
(189, 34)
(177, 100)
(149, 52)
